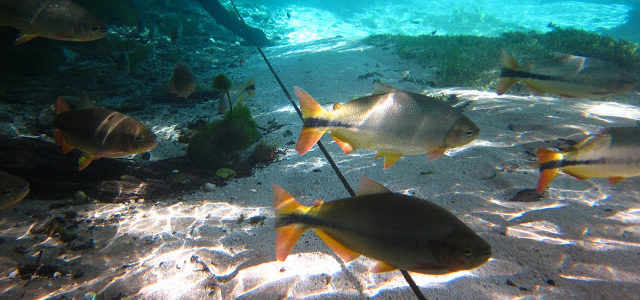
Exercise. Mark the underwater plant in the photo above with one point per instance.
(222, 84)
(466, 60)
(219, 141)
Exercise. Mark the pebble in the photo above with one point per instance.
(209, 187)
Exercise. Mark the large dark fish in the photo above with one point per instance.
(12, 189)
(390, 121)
(566, 75)
(53, 19)
(100, 132)
(400, 231)
(614, 153)
(182, 83)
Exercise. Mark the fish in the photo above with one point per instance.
(59, 20)
(12, 189)
(566, 75)
(613, 153)
(182, 83)
(100, 132)
(392, 122)
(398, 231)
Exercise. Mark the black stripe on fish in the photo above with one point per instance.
(505, 72)
(310, 221)
(318, 123)
(555, 164)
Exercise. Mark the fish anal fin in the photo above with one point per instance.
(345, 254)
(308, 106)
(60, 141)
(346, 147)
(505, 84)
(389, 158)
(23, 38)
(382, 267)
(536, 91)
(614, 180)
(380, 88)
(286, 238)
(308, 137)
(317, 203)
(435, 153)
(369, 187)
(85, 160)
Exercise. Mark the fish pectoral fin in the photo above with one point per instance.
(369, 187)
(435, 153)
(382, 267)
(505, 84)
(345, 254)
(614, 180)
(346, 147)
(308, 137)
(389, 158)
(85, 160)
(23, 38)
(286, 238)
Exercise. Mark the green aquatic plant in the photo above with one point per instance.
(219, 141)
(467, 60)
(222, 84)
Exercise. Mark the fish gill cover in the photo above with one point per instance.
(163, 225)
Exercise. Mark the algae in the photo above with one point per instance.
(467, 60)
(220, 141)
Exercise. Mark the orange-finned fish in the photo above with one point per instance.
(566, 75)
(54, 19)
(100, 132)
(12, 189)
(614, 153)
(399, 231)
(390, 121)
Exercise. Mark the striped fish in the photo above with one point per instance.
(614, 153)
(390, 121)
(399, 231)
(566, 75)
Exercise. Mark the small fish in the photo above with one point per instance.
(566, 75)
(182, 83)
(399, 231)
(59, 20)
(393, 122)
(613, 153)
(12, 189)
(100, 132)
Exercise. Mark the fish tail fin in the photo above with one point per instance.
(61, 105)
(309, 106)
(308, 137)
(85, 160)
(250, 87)
(507, 62)
(239, 100)
(547, 174)
(286, 234)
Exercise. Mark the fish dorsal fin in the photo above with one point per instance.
(380, 88)
(561, 56)
(369, 187)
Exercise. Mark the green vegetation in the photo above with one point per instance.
(466, 60)
(219, 142)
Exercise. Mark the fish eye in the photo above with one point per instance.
(469, 133)
(139, 138)
(6, 192)
(467, 252)
(95, 28)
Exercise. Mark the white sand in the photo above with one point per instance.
(584, 235)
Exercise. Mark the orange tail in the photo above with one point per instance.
(547, 175)
(308, 105)
(310, 108)
(507, 62)
(61, 105)
(286, 234)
